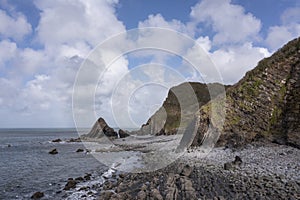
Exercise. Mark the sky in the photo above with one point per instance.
(46, 44)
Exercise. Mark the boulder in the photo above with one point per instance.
(71, 184)
(53, 151)
(79, 179)
(74, 140)
(87, 177)
(237, 161)
(234, 164)
(187, 170)
(79, 150)
(56, 140)
(37, 195)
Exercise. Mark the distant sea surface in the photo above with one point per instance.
(26, 166)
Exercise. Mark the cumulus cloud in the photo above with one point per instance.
(8, 50)
(290, 28)
(230, 22)
(233, 62)
(42, 79)
(230, 46)
(159, 21)
(69, 22)
(13, 27)
(39, 81)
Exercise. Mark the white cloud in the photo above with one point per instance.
(204, 42)
(291, 15)
(230, 22)
(8, 93)
(8, 50)
(67, 22)
(15, 27)
(288, 30)
(159, 21)
(233, 62)
(69, 30)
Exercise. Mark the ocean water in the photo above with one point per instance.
(26, 166)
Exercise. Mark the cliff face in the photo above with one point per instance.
(180, 106)
(265, 103)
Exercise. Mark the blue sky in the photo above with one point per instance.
(44, 43)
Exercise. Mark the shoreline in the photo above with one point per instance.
(267, 171)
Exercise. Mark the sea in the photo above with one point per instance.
(27, 167)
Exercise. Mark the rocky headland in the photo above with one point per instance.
(257, 140)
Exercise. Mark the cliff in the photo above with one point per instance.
(263, 104)
(178, 109)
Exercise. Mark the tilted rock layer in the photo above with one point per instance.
(263, 104)
(179, 107)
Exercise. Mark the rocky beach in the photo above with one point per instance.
(263, 171)
(150, 100)
(252, 152)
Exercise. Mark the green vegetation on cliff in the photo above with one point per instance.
(266, 102)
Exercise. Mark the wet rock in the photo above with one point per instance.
(79, 150)
(71, 184)
(74, 140)
(85, 188)
(79, 179)
(88, 150)
(87, 177)
(37, 195)
(57, 140)
(53, 151)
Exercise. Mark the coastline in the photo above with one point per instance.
(267, 171)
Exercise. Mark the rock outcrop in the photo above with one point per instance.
(37, 195)
(101, 128)
(179, 107)
(53, 151)
(263, 104)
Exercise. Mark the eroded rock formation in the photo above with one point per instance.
(264, 104)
